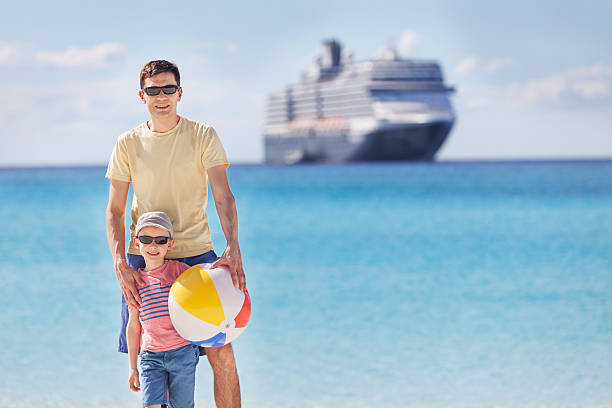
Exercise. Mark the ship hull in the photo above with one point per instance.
(399, 143)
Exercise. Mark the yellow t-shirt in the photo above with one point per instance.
(168, 173)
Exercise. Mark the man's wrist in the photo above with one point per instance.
(233, 244)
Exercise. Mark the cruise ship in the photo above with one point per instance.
(382, 109)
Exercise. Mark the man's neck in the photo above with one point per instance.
(163, 124)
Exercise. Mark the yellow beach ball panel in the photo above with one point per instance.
(189, 327)
(206, 306)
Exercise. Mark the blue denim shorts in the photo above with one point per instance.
(136, 262)
(171, 371)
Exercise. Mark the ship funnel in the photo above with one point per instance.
(330, 54)
(389, 53)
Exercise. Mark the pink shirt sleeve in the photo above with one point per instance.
(178, 268)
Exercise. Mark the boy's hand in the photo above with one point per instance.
(134, 380)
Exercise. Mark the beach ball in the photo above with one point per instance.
(205, 307)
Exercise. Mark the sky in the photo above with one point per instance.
(533, 79)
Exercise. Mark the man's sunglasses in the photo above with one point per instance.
(145, 239)
(155, 90)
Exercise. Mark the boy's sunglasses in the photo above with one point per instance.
(145, 239)
(155, 90)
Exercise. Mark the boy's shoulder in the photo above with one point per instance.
(174, 268)
(173, 263)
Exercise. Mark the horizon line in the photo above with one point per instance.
(255, 163)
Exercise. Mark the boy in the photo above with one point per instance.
(167, 360)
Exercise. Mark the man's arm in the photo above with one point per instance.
(226, 209)
(115, 229)
(132, 333)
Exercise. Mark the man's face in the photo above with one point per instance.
(161, 105)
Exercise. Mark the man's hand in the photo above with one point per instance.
(134, 380)
(232, 259)
(115, 229)
(128, 280)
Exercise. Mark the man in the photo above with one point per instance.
(168, 160)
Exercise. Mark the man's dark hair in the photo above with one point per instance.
(153, 68)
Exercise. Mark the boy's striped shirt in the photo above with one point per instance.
(158, 333)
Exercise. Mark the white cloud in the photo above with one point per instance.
(10, 53)
(471, 64)
(467, 65)
(587, 82)
(407, 43)
(74, 57)
(473, 96)
(592, 89)
(497, 64)
(539, 89)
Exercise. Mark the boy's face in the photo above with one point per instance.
(153, 253)
(161, 105)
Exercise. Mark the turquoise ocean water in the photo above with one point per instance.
(392, 285)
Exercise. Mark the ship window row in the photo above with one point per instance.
(333, 110)
(429, 78)
(272, 99)
(323, 98)
(322, 105)
(333, 114)
(279, 117)
(390, 85)
(347, 99)
(327, 102)
(324, 93)
(336, 87)
(278, 105)
(278, 111)
(355, 113)
(406, 72)
(330, 90)
(339, 88)
(405, 65)
(427, 97)
(278, 114)
(376, 95)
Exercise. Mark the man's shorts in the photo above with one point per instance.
(172, 371)
(136, 262)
